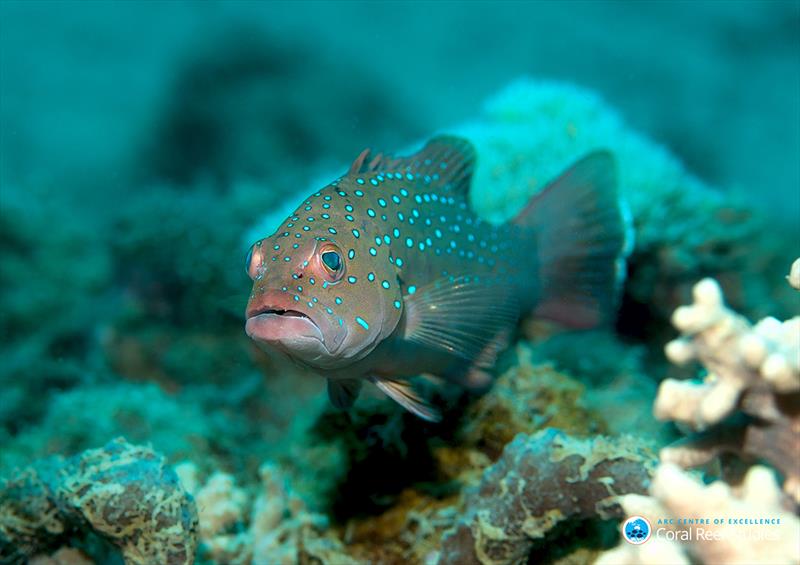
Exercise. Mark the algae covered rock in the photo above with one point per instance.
(525, 399)
(539, 482)
(121, 494)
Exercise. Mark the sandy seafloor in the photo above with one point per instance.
(140, 143)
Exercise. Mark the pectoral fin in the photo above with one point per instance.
(343, 393)
(402, 393)
(464, 316)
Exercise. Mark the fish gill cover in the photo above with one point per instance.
(145, 148)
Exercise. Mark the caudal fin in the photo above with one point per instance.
(583, 237)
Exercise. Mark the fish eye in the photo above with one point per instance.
(254, 263)
(332, 260)
(247, 261)
(330, 256)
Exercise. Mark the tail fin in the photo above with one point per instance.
(583, 238)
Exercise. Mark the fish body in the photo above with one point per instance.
(387, 273)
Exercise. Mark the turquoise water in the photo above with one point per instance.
(145, 146)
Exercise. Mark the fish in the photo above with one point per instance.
(387, 273)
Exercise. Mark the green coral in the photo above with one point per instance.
(93, 415)
(684, 230)
(52, 278)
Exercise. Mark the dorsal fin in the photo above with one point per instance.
(358, 164)
(446, 161)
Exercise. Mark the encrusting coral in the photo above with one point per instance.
(538, 482)
(674, 495)
(752, 369)
(124, 494)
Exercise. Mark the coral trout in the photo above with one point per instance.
(386, 273)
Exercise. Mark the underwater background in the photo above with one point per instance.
(145, 146)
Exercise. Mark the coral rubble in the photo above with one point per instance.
(674, 494)
(752, 370)
(123, 494)
(540, 481)
(269, 525)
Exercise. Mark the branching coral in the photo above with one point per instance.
(794, 275)
(738, 538)
(125, 494)
(538, 482)
(753, 370)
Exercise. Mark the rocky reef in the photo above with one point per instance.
(249, 464)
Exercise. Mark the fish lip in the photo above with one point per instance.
(273, 320)
(276, 328)
(289, 312)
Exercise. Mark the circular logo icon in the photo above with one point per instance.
(636, 530)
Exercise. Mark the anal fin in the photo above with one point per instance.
(478, 379)
(343, 393)
(402, 393)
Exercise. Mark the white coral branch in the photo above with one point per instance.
(737, 355)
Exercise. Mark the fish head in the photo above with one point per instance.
(321, 293)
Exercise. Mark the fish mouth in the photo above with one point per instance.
(290, 330)
(278, 312)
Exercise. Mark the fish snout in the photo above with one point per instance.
(276, 320)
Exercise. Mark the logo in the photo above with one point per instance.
(636, 530)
